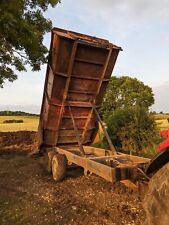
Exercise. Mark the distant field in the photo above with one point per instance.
(162, 124)
(29, 123)
(161, 116)
(161, 120)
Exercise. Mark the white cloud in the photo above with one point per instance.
(136, 8)
(161, 97)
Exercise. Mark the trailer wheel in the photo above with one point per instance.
(156, 202)
(50, 157)
(59, 166)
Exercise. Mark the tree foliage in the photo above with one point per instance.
(132, 129)
(125, 111)
(22, 27)
(125, 92)
(16, 113)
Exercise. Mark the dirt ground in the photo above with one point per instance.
(18, 142)
(28, 195)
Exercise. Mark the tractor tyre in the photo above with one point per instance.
(59, 166)
(156, 201)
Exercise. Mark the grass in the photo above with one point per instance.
(29, 123)
(162, 124)
(161, 116)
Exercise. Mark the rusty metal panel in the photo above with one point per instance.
(77, 75)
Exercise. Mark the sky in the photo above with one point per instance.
(140, 27)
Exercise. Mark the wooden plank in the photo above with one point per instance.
(75, 117)
(104, 71)
(85, 77)
(89, 61)
(94, 44)
(99, 169)
(135, 159)
(104, 171)
(82, 92)
(61, 74)
(54, 42)
(67, 82)
(90, 128)
(61, 34)
(79, 104)
(55, 51)
(96, 151)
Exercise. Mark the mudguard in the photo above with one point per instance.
(158, 161)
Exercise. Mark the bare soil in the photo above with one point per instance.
(28, 195)
(18, 142)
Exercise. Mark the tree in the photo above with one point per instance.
(22, 27)
(125, 110)
(126, 92)
(131, 129)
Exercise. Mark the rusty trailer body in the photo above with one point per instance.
(78, 72)
(77, 75)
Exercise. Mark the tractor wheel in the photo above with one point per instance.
(156, 201)
(59, 166)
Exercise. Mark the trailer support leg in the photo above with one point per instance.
(77, 134)
(112, 148)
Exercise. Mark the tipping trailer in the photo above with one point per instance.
(78, 73)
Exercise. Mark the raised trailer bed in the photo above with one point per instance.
(77, 75)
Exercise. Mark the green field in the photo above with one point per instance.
(29, 123)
